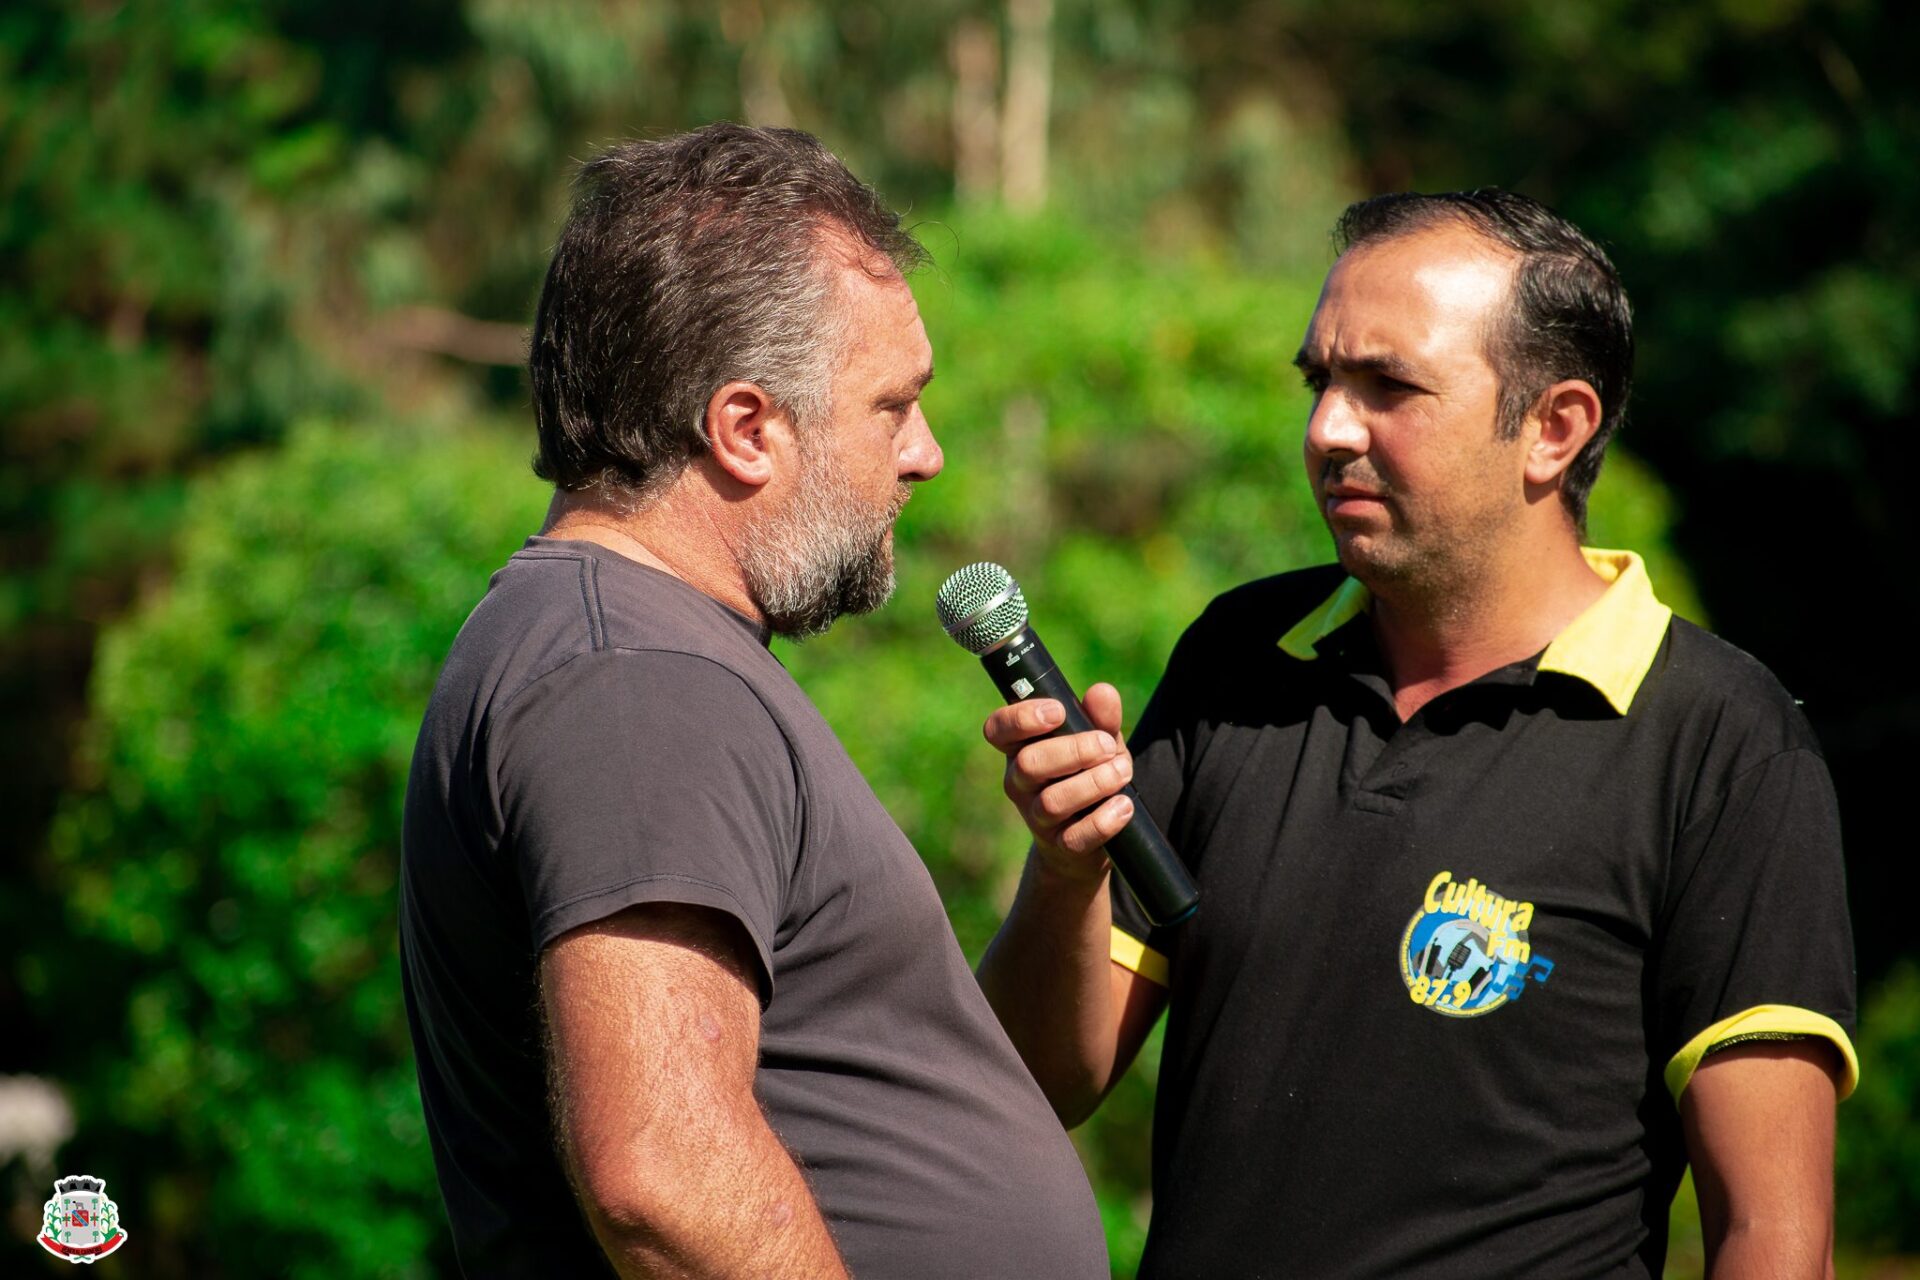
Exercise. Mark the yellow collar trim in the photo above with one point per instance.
(1348, 601)
(1611, 645)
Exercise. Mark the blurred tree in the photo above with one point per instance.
(230, 856)
(1877, 1187)
(179, 179)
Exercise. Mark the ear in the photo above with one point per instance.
(744, 431)
(1563, 420)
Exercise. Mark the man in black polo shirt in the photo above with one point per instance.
(1519, 893)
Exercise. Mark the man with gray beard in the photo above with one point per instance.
(683, 998)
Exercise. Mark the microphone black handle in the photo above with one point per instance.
(1022, 668)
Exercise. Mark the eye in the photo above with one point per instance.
(1386, 384)
(898, 411)
(1315, 380)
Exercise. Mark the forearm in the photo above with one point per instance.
(727, 1201)
(1758, 1121)
(1076, 1018)
(1771, 1251)
(1048, 977)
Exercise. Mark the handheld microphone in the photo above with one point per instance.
(982, 608)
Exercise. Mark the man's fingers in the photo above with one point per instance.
(1019, 722)
(1039, 763)
(1091, 833)
(1065, 787)
(1081, 790)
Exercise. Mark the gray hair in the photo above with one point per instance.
(687, 263)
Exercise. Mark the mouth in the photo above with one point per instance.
(1346, 493)
(1348, 501)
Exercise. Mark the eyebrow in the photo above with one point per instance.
(1388, 366)
(906, 390)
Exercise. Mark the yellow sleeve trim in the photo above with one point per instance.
(1763, 1020)
(1130, 953)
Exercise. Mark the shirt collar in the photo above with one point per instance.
(1611, 645)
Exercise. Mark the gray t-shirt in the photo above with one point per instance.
(604, 735)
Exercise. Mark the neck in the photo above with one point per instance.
(1439, 638)
(676, 533)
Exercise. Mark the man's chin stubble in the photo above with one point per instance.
(803, 599)
(856, 589)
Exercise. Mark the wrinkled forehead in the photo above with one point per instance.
(882, 339)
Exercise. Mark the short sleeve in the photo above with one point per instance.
(1756, 941)
(633, 776)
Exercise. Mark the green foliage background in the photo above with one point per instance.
(262, 268)
(233, 864)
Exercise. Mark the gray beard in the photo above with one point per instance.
(821, 556)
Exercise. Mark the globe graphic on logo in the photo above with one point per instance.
(1450, 958)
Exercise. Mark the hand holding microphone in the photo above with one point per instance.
(1060, 772)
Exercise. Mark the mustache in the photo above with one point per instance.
(1357, 472)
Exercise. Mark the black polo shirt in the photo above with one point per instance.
(1449, 977)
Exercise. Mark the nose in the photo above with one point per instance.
(920, 455)
(1334, 427)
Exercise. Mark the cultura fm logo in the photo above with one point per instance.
(82, 1225)
(1467, 951)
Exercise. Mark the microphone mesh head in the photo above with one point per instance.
(980, 606)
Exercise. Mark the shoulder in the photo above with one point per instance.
(1237, 636)
(669, 696)
(535, 616)
(569, 613)
(587, 647)
(1711, 687)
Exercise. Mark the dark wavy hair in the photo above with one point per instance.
(686, 263)
(1566, 317)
